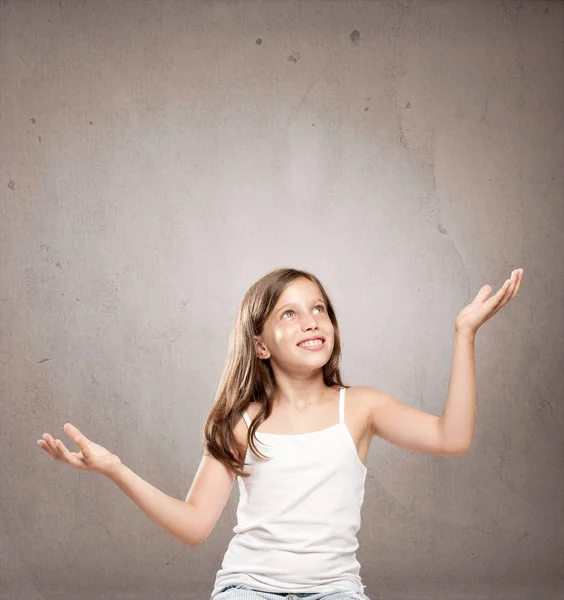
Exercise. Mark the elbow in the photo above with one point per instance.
(458, 451)
(197, 541)
(194, 542)
(456, 447)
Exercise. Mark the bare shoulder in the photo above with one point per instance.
(365, 396)
(370, 401)
(361, 401)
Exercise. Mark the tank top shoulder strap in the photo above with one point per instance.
(342, 405)
(247, 419)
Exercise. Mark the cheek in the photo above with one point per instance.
(280, 334)
(284, 332)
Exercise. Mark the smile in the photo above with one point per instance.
(312, 345)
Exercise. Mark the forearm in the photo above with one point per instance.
(459, 415)
(175, 516)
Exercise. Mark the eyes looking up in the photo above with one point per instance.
(291, 311)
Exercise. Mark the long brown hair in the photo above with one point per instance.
(247, 378)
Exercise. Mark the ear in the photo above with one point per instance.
(261, 350)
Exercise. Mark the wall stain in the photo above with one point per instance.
(355, 37)
(525, 535)
(11, 184)
(295, 57)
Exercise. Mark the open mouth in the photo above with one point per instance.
(316, 344)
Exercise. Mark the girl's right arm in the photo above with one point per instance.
(189, 521)
(177, 517)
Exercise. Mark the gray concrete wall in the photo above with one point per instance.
(160, 156)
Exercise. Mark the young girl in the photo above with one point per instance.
(283, 410)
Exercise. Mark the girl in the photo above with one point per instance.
(282, 409)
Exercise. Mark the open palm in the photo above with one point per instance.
(482, 308)
(92, 457)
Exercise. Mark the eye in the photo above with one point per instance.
(291, 311)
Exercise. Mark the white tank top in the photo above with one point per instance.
(298, 514)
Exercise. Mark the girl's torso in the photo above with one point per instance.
(299, 512)
(309, 420)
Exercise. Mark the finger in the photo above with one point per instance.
(45, 446)
(72, 431)
(513, 286)
(499, 295)
(508, 290)
(83, 445)
(51, 443)
(507, 295)
(518, 284)
(80, 439)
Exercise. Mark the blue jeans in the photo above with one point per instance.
(242, 592)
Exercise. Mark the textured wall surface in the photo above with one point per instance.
(157, 157)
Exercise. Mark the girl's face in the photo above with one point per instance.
(300, 313)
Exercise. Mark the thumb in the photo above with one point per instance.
(483, 293)
(75, 433)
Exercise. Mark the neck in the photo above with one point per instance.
(300, 396)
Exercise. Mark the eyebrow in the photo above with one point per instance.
(294, 303)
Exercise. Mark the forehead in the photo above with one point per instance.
(300, 290)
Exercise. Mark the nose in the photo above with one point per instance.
(309, 322)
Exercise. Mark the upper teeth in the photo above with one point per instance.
(312, 343)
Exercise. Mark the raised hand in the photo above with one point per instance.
(91, 457)
(474, 315)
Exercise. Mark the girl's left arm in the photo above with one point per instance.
(452, 432)
(458, 418)
(459, 415)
